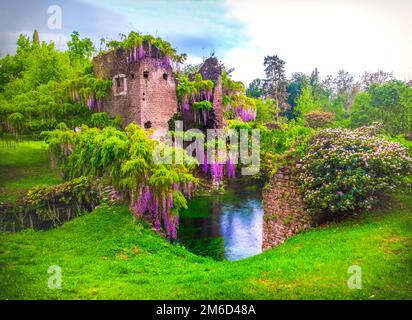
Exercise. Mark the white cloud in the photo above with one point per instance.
(194, 60)
(248, 63)
(328, 35)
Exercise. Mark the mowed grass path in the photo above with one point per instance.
(24, 167)
(104, 256)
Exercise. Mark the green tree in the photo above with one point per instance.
(255, 89)
(296, 84)
(389, 104)
(36, 38)
(306, 103)
(266, 110)
(275, 82)
(12, 67)
(80, 50)
(16, 121)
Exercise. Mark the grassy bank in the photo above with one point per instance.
(22, 167)
(104, 256)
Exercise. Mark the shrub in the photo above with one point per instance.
(276, 145)
(346, 170)
(204, 104)
(102, 120)
(319, 119)
(65, 199)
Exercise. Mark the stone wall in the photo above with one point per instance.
(218, 104)
(284, 211)
(142, 92)
(211, 69)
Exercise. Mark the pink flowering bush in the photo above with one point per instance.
(346, 170)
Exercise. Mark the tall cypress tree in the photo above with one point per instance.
(36, 38)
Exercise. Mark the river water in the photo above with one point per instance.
(226, 226)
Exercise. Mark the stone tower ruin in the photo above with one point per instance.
(211, 69)
(143, 90)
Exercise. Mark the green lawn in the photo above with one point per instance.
(104, 256)
(24, 167)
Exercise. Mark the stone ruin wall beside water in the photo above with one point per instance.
(284, 212)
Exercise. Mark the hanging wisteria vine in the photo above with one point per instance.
(196, 97)
(237, 104)
(156, 191)
(140, 47)
(139, 53)
(88, 90)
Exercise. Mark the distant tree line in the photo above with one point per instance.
(376, 97)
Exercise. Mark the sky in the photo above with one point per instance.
(357, 36)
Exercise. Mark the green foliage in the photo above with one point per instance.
(255, 89)
(275, 82)
(238, 124)
(389, 104)
(80, 50)
(102, 120)
(48, 86)
(347, 170)
(319, 119)
(186, 88)
(172, 121)
(36, 37)
(204, 104)
(85, 88)
(231, 86)
(135, 39)
(25, 165)
(124, 157)
(295, 87)
(237, 104)
(337, 107)
(266, 110)
(75, 195)
(278, 144)
(16, 120)
(306, 103)
(42, 63)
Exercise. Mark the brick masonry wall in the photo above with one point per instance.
(158, 97)
(284, 211)
(151, 99)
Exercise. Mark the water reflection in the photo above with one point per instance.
(224, 226)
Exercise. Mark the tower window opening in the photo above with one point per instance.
(120, 84)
